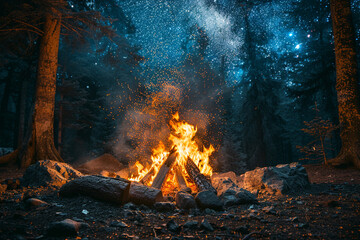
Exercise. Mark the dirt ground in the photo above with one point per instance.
(329, 209)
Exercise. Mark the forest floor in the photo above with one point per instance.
(329, 209)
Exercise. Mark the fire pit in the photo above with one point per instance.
(183, 167)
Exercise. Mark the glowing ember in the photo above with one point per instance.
(182, 138)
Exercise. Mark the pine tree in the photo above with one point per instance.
(346, 83)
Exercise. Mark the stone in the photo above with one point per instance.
(173, 226)
(230, 200)
(227, 175)
(242, 229)
(164, 206)
(34, 202)
(185, 200)
(105, 162)
(64, 228)
(226, 187)
(191, 224)
(119, 224)
(285, 178)
(206, 225)
(269, 210)
(208, 199)
(49, 173)
(245, 197)
(130, 206)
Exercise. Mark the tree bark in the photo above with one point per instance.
(41, 141)
(103, 188)
(41, 145)
(201, 182)
(346, 83)
(141, 194)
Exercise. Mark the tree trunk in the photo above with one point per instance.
(41, 144)
(21, 113)
(346, 83)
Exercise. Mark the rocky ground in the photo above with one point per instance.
(328, 209)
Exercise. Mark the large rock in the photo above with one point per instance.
(226, 175)
(208, 199)
(49, 173)
(105, 162)
(223, 184)
(286, 178)
(185, 200)
(230, 192)
(115, 190)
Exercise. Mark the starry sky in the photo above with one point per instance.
(162, 26)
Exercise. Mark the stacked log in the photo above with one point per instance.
(201, 182)
(164, 170)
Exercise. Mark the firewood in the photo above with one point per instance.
(201, 182)
(146, 178)
(115, 190)
(164, 169)
(141, 194)
(180, 179)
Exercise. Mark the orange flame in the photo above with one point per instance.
(182, 137)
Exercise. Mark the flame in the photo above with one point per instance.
(182, 138)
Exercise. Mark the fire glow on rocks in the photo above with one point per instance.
(182, 138)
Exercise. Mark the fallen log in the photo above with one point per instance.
(164, 169)
(141, 194)
(201, 182)
(115, 190)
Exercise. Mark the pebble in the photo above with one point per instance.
(164, 206)
(118, 224)
(34, 202)
(191, 224)
(206, 225)
(64, 228)
(173, 226)
(242, 229)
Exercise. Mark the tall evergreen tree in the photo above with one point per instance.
(346, 83)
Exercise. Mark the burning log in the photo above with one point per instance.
(141, 194)
(161, 175)
(114, 190)
(201, 182)
(146, 178)
(180, 180)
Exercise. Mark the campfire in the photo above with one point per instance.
(182, 167)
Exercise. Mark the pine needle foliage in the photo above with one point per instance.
(320, 131)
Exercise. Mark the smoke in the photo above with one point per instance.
(146, 123)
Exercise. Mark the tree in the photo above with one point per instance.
(41, 139)
(319, 130)
(346, 83)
